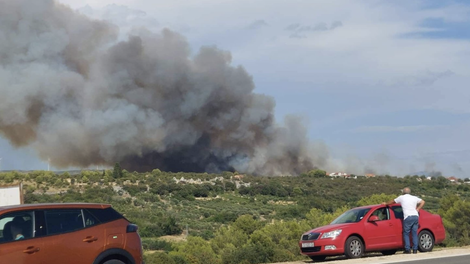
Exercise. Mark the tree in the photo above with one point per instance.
(196, 251)
(65, 175)
(285, 236)
(317, 173)
(456, 217)
(228, 237)
(317, 217)
(298, 191)
(117, 171)
(376, 199)
(247, 224)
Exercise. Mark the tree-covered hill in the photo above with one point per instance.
(230, 218)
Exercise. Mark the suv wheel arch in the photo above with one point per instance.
(114, 253)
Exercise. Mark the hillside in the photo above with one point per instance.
(231, 215)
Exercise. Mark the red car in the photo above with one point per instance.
(369, 228)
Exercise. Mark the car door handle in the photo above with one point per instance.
(31, 250)
(90, 239)
(390, 224)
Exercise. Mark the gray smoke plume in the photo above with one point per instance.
(76, 95)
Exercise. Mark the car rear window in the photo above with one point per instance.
(398, 212)
(105, 215)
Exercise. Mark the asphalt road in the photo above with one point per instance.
(465, 259)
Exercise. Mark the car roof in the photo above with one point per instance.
(53, 206)
(374, 205)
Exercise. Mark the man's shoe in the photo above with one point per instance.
(407, 252)
(415, 251)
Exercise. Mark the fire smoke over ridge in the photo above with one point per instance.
(75, 94)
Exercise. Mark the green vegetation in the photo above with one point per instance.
(228, 218)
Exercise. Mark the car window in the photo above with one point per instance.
(63, 220)
(351, 216)
(398, 212)
(40, 224)
(89, 219)
(382, 213)
(16, 226)
(105, 215)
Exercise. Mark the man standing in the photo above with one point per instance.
(411, 206)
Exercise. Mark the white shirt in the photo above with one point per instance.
(408, 203)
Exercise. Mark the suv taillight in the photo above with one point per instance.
(131, 228)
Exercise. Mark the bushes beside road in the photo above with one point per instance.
(237, 220)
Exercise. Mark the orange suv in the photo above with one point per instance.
(78, 233)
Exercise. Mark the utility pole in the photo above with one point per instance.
(48, 164)
(1, 164)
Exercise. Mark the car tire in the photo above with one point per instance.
(425, 241)
(389, 252)
(113, 261)
(318, 258)
(354, 248)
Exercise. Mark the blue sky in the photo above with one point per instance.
(382, 83)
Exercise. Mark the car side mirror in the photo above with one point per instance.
(373, 218)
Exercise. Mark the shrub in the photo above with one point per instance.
(155, 244)
(158, 258)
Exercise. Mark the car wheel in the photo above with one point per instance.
(318, 258)
(389, 252)
(113, 261)
(354, 248)
(425, 241)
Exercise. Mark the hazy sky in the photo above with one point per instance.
(383, 83)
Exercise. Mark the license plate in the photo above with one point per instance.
(307, 245)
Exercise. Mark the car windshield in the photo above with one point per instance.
(351, 216)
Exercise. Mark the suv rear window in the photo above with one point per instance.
(105, 215)
(63, 220)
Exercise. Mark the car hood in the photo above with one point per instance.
(327, 228)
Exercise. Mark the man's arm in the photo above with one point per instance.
(420, 205)
(389, 202)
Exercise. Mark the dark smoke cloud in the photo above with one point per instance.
(76, 95)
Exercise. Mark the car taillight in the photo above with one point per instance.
(131, 228)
